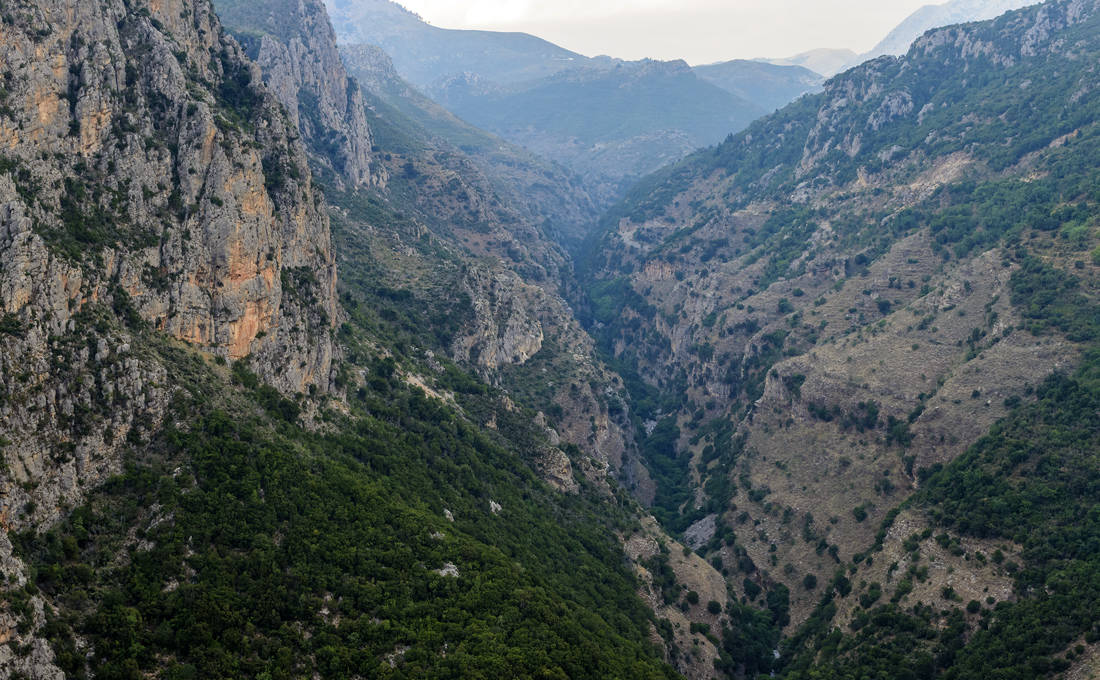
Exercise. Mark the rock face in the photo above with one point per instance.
(294, 45)
(147, 181)
(506, 329)
(173, 179)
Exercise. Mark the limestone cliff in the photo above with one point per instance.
(294, 45)
(151, 191)
(147, 181)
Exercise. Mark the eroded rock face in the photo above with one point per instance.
(147, 180)
(294, 45)
(140, 163)
(505, 329)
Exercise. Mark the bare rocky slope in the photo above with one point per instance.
(831, 304)
(937, 15)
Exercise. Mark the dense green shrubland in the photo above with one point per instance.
(265, 550)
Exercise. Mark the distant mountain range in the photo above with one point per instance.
(935, 16)
(609, 124)
(610, 120)
(769, 86)
(828, 62)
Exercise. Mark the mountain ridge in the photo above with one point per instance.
(770, 86)
(424, 53)
(634, 134)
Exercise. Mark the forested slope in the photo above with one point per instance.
(396, 541)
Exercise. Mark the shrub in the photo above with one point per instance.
(860, 513)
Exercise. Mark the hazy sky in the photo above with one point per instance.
(700, 31)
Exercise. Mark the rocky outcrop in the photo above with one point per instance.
(294, 45)
(148, 182)
(505, 329)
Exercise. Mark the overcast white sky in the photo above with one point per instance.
(700, 31)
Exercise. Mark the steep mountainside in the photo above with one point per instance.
(768, 86)
(492, 276)
(934, 16)
(444, 262)
(481, 283)
(142, 176)
(835, 303)
(614, 124)
(294, 46)
(150, 192)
